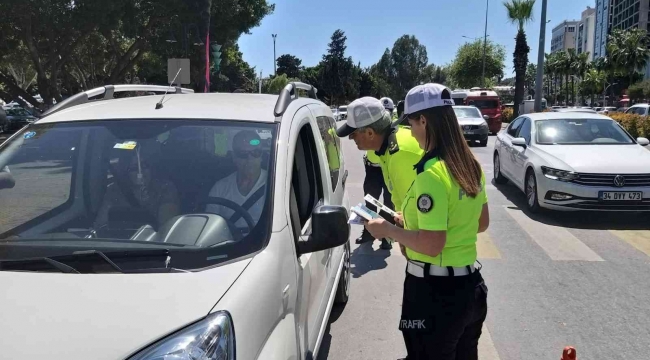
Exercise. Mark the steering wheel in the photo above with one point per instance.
(238, 210)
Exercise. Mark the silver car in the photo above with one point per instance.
(473, 124)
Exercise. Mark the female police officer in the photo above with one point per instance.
(444, 302)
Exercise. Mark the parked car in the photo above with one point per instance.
(473, 123)
(574, 161)
(486, 100)
(203, 275)
(342, 113)
(574, 110)
(3, 120)
(17, 117)
(606, 110)
(638, 109)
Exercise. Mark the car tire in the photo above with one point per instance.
(483, 143)
(532, 202)
(343, 288)
(498, 176)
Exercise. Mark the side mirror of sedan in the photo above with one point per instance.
(519, 142)
(486, 117)
(642, 141)
(330, 228)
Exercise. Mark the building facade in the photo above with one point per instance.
(602, 28)
(587, 33)
(564, 36)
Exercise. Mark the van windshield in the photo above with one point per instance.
(196, 186)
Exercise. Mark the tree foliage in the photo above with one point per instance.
(76, 45)
(467, 67)
(289, 65)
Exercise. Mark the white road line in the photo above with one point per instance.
(486, 349)
(556, 241)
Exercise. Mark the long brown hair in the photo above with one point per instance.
(443, 131)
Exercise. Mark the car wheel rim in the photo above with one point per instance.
(497, 166)
(531, 190)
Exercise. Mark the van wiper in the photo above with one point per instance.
(35, 265)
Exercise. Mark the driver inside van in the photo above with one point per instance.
(245, 182)
(142, 188)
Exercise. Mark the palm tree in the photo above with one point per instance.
(562, 63)
(594, 81)
(520, 12)
(581, 65)
(628, 51)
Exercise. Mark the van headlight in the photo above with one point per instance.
(212, 338)
(561, 175)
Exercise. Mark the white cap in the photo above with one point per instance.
(426, 96)
(361, 112)
(388, 103)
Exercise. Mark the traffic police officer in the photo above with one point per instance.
(373, 182)
(444, 301)
(369, 125)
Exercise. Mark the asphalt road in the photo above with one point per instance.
(554, 280)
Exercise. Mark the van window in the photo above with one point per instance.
(332, 143)
(306, 181)
(41, 165)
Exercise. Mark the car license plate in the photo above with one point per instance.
(621, 195)
(469, 132)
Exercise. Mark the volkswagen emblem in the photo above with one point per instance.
(466, 127)
(619, 181)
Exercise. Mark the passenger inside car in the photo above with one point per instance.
(246, 186)
(137, 188)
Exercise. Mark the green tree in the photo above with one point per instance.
(520, 12)
(289, 65)
(593, 83)
(628, 51)
(467, 68)
(336, 69)
(278, 83)
(409, 60)
(79, 44)
(531, 75)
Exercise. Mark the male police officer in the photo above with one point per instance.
(369, 125)
(373, 183)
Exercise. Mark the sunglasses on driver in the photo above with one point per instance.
(246, 154)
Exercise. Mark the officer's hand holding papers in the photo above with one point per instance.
(362, 215)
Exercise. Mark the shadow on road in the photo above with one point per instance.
(592, 220)
(365, 259)
(324, 350)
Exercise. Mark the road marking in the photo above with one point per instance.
(486, 248)
(486, 349)
(557, 242)
(639, 239)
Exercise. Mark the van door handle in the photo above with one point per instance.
(345, 177)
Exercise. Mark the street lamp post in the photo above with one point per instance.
(540, 60)
(275, 69)
(487, 5)
(605, 93)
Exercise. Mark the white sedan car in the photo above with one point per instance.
(574, 161)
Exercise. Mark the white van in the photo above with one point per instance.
(128, 232)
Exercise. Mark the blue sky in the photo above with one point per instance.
(304, 28)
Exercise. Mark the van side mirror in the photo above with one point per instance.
(486, 118)
(329, 229)
(642, 141)
(519, 142)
